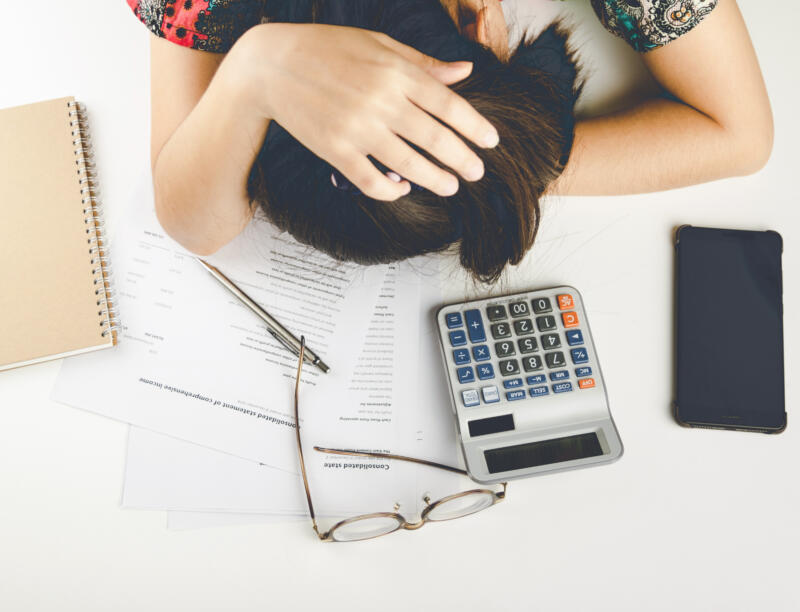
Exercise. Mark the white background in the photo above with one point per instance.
(688, 519)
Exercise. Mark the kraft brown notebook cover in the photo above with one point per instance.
(54, 283)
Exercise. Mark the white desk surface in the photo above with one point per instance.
(688, 519)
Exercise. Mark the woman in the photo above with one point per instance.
(369, 106)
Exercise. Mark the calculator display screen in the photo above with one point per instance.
(544, 452)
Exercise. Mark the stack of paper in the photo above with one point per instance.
(210, 392)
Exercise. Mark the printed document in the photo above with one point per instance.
(403, 408)
(195, 364)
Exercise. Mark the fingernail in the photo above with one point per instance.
(393, 176)
(475, 171)
(450, 187)
(491, 139)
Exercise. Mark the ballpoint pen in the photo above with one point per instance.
(278, 331)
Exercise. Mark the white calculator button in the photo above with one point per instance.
(490, 394)
(470, 397)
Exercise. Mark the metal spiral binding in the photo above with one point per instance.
(93, 218)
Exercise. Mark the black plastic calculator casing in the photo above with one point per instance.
(729, 329)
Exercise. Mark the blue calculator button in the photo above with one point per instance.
(579, 355)
(560, 375)
(461, 356)
(515, 395)
(536, 380)
(574, 337)
(485, 371)
(465, 375)
(512, 383)
(481, 353)
(538, 391)
(458, 338)
(562, 387)
(581, 372)
(453, 319)
(470, 398)
(475, 326)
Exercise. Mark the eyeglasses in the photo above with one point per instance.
(377, 524)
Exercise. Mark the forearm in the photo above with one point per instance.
(713, 122)
(200, 174)
(659, 144)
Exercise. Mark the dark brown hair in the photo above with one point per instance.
(529, 99)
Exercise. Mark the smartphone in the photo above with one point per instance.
(729, 329)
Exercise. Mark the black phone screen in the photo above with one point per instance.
(729, 329)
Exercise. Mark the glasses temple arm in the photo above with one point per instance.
(297, 432)
(441, 466)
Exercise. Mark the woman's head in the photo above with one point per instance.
(529, 99)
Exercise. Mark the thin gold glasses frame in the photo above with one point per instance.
(402, 523)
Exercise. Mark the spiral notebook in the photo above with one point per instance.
(55, 289)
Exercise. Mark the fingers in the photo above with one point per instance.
(360, 171)
(445, 72)
(442, 143)
(455, 111)
(409, 164)
(431, 94)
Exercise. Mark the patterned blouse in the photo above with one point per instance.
(214, 25)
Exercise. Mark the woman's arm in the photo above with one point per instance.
(716, 124)
(344, 93)
(200, 146)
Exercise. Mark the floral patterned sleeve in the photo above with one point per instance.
(207, 25)
(648, 24)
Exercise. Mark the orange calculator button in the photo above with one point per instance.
(570, 319)
(565, 301)
(586, 383)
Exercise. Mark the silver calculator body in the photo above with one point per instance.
(525, 385)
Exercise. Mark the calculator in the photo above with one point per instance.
(526, 386)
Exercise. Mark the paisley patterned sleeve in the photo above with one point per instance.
(207, 25)
(648, 24)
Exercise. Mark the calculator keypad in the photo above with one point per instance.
(528, 339)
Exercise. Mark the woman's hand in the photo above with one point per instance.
(347, 93)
